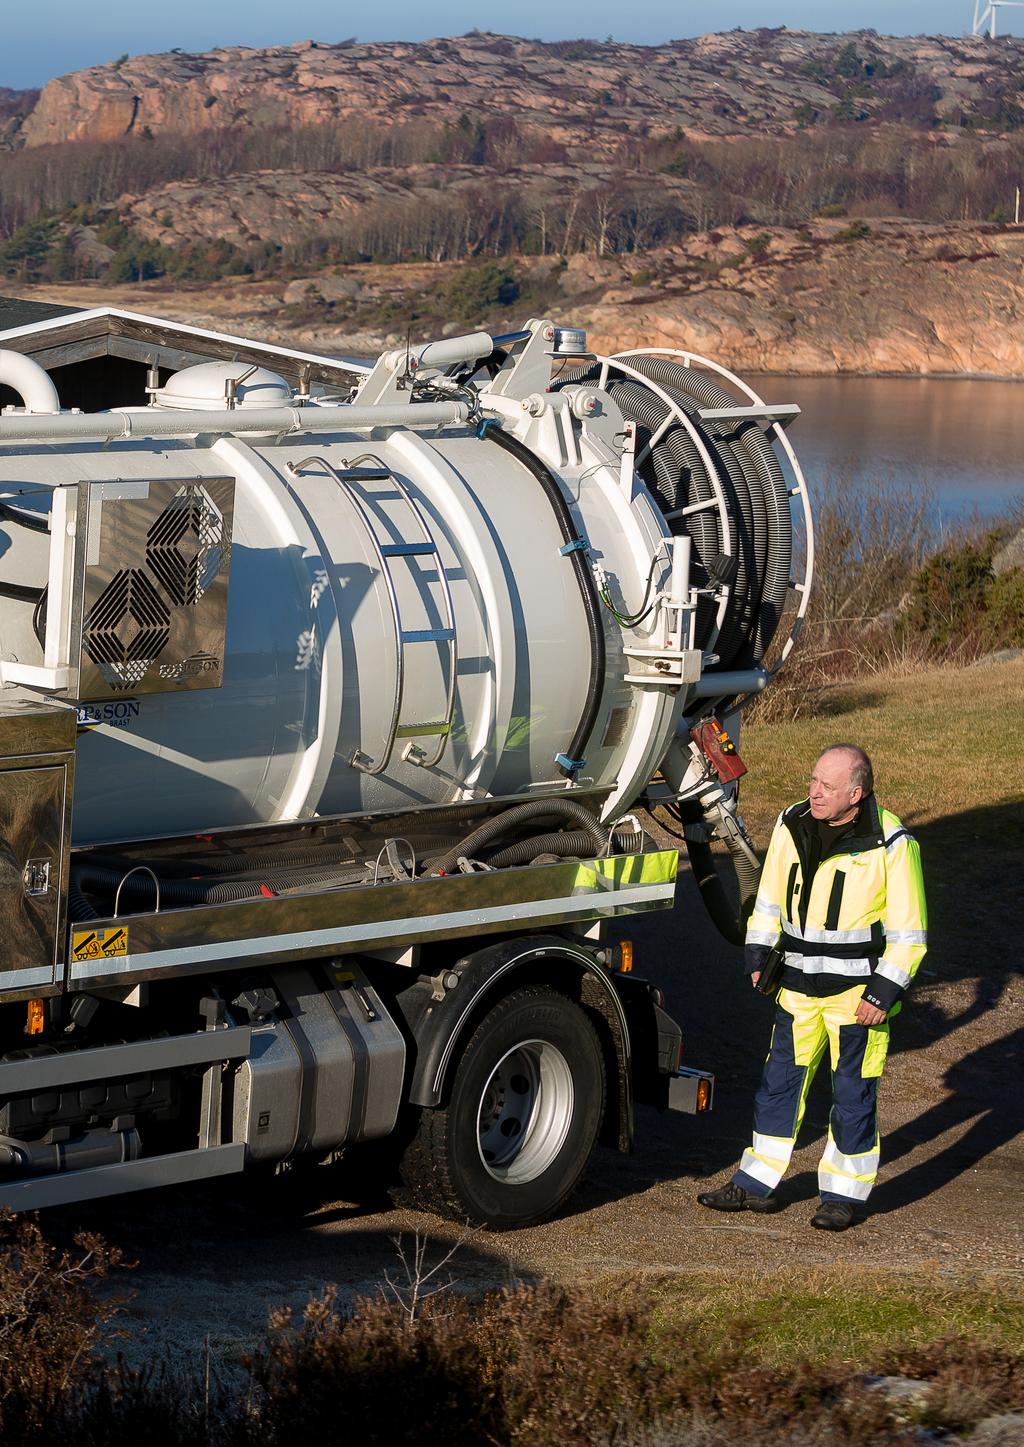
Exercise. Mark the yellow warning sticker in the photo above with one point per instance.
(98, 944)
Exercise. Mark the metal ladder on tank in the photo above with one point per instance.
(424, 546)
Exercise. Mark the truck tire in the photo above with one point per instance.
(521, 1119)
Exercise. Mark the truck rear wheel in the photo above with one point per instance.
(522, 1117)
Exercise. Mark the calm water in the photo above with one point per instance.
(962, 441)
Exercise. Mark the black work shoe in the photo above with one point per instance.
(833, 1216)
(735, 1198)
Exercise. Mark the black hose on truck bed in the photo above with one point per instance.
(568, 843)
(531, 812)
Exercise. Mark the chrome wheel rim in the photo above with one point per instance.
(525, 1112)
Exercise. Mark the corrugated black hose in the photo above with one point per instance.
(567, 843)
(574, 757)
(730, 924)
(531, 812)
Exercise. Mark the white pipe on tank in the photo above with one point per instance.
(741, 680)
(148, 422)
(30, 381)
(446, 353)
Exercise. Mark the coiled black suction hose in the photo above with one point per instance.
(574, 758)
(758, 532)
(775, 533)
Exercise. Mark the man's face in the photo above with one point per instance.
(834, 796)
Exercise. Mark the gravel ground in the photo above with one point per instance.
(212, 1261)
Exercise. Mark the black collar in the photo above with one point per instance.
(867, 833)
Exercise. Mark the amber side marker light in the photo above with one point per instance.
(703, 1094)
(36, 1021)
(626, 957)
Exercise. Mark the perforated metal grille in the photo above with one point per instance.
(156, 593)
(128, 628)
(185, 546)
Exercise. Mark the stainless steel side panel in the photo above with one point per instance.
(341, 921)
(33, 868)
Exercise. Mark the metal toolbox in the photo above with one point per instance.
(37, 742)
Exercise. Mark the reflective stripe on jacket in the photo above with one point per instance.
(862, 915)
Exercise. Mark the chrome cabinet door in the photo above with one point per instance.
(31, 841)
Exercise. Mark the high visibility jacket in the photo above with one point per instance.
(861, 916)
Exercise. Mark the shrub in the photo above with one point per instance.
(758, 245)
(948, 595)
(479, 287)
(1003, 623)
(856, 231)
(51, 1322)
(678, 165)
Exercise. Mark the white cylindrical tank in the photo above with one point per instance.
(405, 625)
(311, 662)
(443, 530)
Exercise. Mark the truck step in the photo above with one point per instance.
(36, 1192)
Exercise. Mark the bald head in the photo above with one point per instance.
(840, 779)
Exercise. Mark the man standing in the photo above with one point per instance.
(842, 892)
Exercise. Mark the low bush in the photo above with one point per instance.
(479, 287)
(948, 594)
(738, 1362)
(1002, 625)
(52, 1321)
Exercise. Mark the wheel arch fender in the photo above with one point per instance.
(441, 1017)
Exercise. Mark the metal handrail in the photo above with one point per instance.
(358, 759)
(138, 869)
(396, 617)
(449, 606)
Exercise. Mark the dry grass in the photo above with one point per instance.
(944, 741)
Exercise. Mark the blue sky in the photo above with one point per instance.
(48, 37)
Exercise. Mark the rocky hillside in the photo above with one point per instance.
(893, 297)
(15, 105)
(584, 95)
(783, 200)
(828, 298)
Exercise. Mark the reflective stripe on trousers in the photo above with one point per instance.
(804, 1025)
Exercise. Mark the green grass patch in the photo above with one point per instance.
(832, 1317)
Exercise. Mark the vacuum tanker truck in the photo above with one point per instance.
(334, 702)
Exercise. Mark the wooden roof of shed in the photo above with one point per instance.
(14, 312)
(56, 336)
